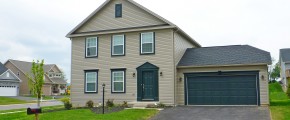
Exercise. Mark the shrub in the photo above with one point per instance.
(65, 99)
(125, 104)
(90, 104)
(68, 105)
(161, 105)
(110, 103)
(66, 102)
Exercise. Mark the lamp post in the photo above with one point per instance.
(103, 85)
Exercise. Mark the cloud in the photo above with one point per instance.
(36, 29)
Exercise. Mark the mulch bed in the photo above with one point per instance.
(99, 110)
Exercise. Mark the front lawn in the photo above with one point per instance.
(7, 101)
(280, 103)
(86, 114)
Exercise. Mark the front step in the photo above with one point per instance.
(141, 104)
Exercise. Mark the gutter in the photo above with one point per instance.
(222, 65)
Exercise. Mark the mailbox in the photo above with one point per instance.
(31, 111)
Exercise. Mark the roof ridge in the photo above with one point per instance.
(217, 46)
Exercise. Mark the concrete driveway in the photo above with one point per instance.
(214, 113)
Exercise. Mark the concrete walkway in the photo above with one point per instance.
(214, 113)
(31, 105)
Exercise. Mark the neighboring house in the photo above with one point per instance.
(54, 83)
(143, 59)
(284, 62)
(9, 82)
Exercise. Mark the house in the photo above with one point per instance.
(284, 61)
(54, 83)
(143, 58)
(9, 82)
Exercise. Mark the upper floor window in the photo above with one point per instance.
(91, 81)
(50, 75)
(147, 43)
(92, 47)
(118, 10)
(118, 45)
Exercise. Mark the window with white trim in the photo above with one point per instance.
(92, 47)
(118, 45)
(91, 81)
(118, 81)
(147, 43)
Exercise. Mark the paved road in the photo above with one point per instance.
(23, 98)
(214, 113)
(20, 106)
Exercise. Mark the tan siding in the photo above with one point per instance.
(264, 97)
(46, 89)
(163, 58)
(23, 87)
(180, 46)
(132, 17)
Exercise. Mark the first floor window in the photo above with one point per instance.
(91, 81)
(92, 47)
(147, 43)
(118, 81)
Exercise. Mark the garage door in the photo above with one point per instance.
(8, 91)
(222, 88)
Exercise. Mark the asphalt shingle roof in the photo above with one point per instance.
(2, 68)
(285, 54)
(58, 80)
(224, 55)
(26, 68)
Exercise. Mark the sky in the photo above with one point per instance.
(36, 29)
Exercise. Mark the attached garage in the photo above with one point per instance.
(222, 88)
(9, 82)
(223, 75)
(8, 90)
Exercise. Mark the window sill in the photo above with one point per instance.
(91, 57)
(147, 53)
(91, 92)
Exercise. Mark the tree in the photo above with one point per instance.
(36, 79)
(275, 73)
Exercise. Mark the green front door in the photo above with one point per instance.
(148, 85)
(147, 82)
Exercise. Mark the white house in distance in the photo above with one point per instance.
(285, 66)
(9, 82)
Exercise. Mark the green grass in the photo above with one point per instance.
(276, 92)
(86, 114)
(7, 101)
(280, 103)
(280, 112)
(43, 109)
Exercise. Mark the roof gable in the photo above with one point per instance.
(2, 68)
(134, 15)
(224, 55)
(285, 54)
(12, 77)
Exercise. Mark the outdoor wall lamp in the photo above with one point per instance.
(180, 79)
(161, 74)
(133, 74)
(263, 77)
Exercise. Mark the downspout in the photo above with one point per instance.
(175, 87)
